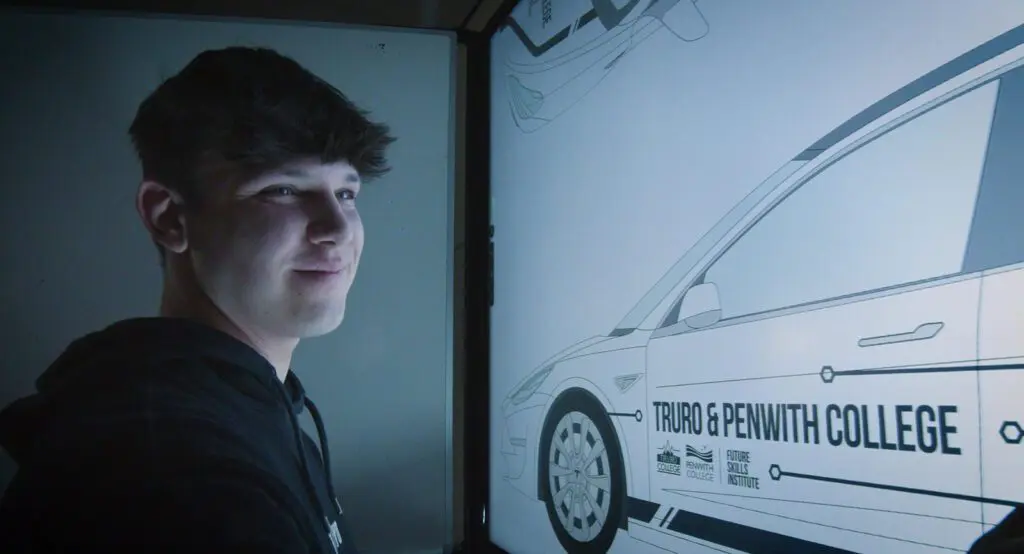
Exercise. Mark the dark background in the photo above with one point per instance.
(473, 21)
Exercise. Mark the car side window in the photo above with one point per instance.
(997, 235)
(894, 211)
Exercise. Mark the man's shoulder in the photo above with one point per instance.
(120, 497)
(205, 388)
(173, 411)
(162, 423)
(154, 391)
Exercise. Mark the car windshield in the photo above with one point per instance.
(702, 247)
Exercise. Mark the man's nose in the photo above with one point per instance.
(329, 223)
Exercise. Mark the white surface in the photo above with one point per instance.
(615, 151)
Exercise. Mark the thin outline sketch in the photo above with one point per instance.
(596, 379)
(544, 87)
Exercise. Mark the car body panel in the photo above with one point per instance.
(763, 378)
(1000, 349)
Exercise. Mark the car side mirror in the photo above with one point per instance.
(701, 306)
(681, 17)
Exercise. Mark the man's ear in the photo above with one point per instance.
(162, 212)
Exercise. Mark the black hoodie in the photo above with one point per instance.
(165, 435)
(1007, 537)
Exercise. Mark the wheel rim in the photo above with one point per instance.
(579, 476)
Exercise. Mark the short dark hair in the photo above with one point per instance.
(235, 113)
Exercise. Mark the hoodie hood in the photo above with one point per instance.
(94, 364)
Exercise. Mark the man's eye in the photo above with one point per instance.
(346, 194)
(279, 191)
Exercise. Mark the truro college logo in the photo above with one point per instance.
(668, 462)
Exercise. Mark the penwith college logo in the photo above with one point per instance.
(700, 463)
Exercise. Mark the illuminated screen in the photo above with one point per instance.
(759, 275)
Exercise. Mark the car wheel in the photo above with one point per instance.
(580, 474)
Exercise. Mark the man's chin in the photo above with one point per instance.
(319, 331)
(320, 324)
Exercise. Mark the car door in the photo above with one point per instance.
(997, 248)
(817, 380)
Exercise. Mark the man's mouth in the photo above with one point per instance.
(331, 267)
(320, 271)
(322, 275)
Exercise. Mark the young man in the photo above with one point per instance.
(180, 433)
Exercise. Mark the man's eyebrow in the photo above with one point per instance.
(294, 173)
(304, 174)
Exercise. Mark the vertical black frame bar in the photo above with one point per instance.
(479, 282)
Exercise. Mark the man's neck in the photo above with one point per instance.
(203, 310)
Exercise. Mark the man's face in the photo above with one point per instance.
(278, 254)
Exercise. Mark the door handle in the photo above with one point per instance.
(924, 331)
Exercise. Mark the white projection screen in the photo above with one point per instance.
(759, 270)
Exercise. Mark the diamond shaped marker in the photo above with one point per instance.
(1012, 432)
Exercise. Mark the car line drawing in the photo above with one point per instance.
(554, 73)
(874, 281)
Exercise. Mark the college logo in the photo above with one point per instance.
(706, 455)
(700, 463)
(668, 461)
